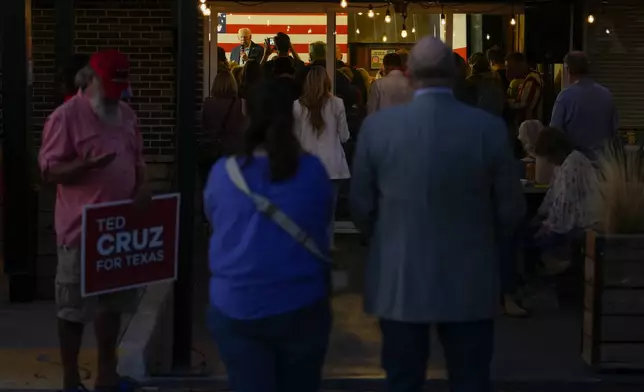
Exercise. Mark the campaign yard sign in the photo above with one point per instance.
(122, 248)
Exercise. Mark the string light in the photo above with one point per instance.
(607, 31)
(513, 22)
(388, 16)
(591, 19)
(370, 13)
(487, 37)
(203, 7)
(403, 32)
(344, 4)
(413, 27)
(355, 22)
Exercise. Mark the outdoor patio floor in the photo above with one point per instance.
(543, 348)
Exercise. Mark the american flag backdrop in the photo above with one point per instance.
(302, 28)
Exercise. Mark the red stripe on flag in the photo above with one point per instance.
(288, 29)
(301, 49)
(462, 52)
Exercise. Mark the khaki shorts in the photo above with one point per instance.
(72, 306)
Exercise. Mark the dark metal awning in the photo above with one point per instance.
(314, 6)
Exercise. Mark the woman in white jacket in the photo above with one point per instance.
(321, 125)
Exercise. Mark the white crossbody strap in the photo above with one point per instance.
(272, 211)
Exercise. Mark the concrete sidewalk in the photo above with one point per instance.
(29, 357)
(540, 354)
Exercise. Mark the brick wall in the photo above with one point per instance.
(145, 31)
(44, 99)
(142, 29)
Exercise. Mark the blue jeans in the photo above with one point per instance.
(468, 348)
(282, 353)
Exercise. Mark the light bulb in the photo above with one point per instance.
(384, 38)
(413, 30)
(591, 19)
(359, 13)
(607, 31)
(388, 17)
(203, 7)
(403, 33)
(370, 13)
(443, 21)
(344, 4)
(487, 37)
(202, 1)
(357, 31)
(513, 21)
(207, 12)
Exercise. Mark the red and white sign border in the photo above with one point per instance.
(118, 203)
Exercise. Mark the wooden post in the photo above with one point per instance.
(187, 166)
(214, 39)
(330, 46)
(19, 209)
(449, 29)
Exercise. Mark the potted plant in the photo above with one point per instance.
(613, 321)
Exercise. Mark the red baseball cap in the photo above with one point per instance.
(112, 67)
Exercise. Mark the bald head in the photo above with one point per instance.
(431, 63)
(577, 63)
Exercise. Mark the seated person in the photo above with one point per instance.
(567, 209)
(528, 135)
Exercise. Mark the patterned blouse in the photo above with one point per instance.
(568, 204)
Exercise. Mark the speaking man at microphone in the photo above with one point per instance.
(247, 49)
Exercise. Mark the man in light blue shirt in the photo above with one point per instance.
(585, 111)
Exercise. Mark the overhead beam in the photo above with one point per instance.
(282, 7)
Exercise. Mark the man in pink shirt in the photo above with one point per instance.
(92, 149)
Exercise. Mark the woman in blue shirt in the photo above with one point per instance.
(269, 310)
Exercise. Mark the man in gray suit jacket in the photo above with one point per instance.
(435, 189)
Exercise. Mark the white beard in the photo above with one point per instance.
(107, 112)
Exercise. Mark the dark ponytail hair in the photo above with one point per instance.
(271, 128)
